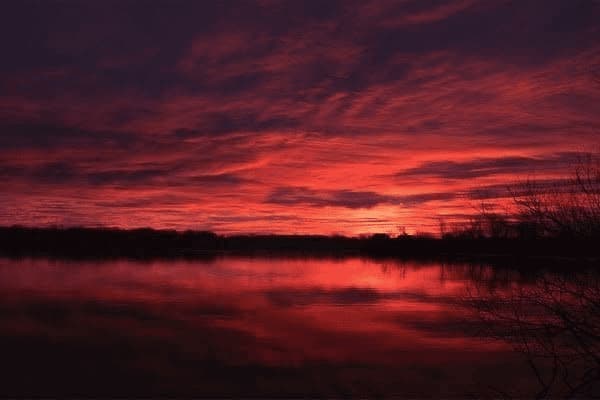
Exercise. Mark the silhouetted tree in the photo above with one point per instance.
(554, 323)
(568, 208)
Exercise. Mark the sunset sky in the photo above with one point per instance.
(291, 116)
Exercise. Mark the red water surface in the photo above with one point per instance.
(247, 326)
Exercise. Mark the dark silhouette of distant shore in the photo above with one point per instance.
(143, 243)
(556, 220)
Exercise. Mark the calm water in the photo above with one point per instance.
(265, 327)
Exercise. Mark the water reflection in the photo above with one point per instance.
(554, 323)
(258, 326)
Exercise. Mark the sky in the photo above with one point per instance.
(302, 117)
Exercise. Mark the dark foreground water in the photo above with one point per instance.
(258, 327)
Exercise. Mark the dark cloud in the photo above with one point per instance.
(421, 198)
(55, 172)
(170, 200)
(116, 44)
(335, 198)
(63, 172)
(520, 32)
(40, 135)
(348, 198)
(519, 188)
(31, 134)
(125, 176)
(9, 171)
(219, 179)
(223, 123)
(478, 168)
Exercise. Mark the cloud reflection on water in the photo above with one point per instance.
(265, 326)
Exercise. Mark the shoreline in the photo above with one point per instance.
(102, 243)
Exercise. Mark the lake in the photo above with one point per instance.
(281, 327)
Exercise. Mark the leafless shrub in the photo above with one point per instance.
(567, 208)
(554, 323)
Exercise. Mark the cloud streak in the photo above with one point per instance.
(477, 168)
